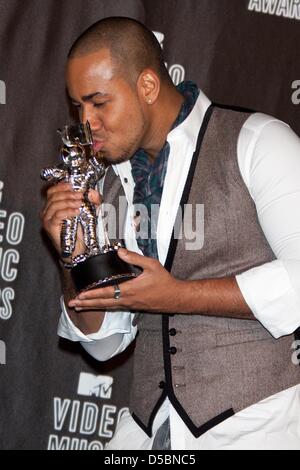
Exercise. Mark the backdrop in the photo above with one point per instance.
(240, 52)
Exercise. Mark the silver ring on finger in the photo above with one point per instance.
(117, 293)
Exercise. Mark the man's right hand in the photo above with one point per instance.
(62, 203)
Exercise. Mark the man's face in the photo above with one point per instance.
(110, 104)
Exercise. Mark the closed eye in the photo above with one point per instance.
(76, 105)
(99, 105)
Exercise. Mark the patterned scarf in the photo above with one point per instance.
(149, 178)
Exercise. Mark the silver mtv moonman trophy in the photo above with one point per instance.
(96, 267)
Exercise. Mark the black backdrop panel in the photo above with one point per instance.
(241, 52)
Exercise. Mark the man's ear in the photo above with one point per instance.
(148, 85)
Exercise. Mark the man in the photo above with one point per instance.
(208, 371)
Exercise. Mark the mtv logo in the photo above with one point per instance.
(160, 37)
(95, 385)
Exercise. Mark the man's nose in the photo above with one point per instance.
(95, 122)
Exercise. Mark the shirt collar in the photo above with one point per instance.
(189, 128)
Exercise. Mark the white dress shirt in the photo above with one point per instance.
(268, 154)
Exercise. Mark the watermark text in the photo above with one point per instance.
(2, 353)
(188, 224)
(2, 92)
(296, 93)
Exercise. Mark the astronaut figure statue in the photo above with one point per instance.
(82, 173)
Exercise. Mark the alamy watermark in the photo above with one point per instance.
(296, 94)
(296, 353)
(2, 353)
(188, 224)
(2, 92)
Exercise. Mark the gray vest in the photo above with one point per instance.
(210, 367)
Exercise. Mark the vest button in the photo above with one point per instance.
(162, 384)
(179, 385)
(172, 332)
(173, 350)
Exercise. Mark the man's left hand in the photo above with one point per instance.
(155, 290)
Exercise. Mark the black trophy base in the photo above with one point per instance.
(105, 269)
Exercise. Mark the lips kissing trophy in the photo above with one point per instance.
(83, 168)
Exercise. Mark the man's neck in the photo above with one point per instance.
(164, 114)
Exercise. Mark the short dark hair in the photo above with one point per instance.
(133, 47)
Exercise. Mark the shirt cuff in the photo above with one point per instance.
(274, 302)
(114, 322)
